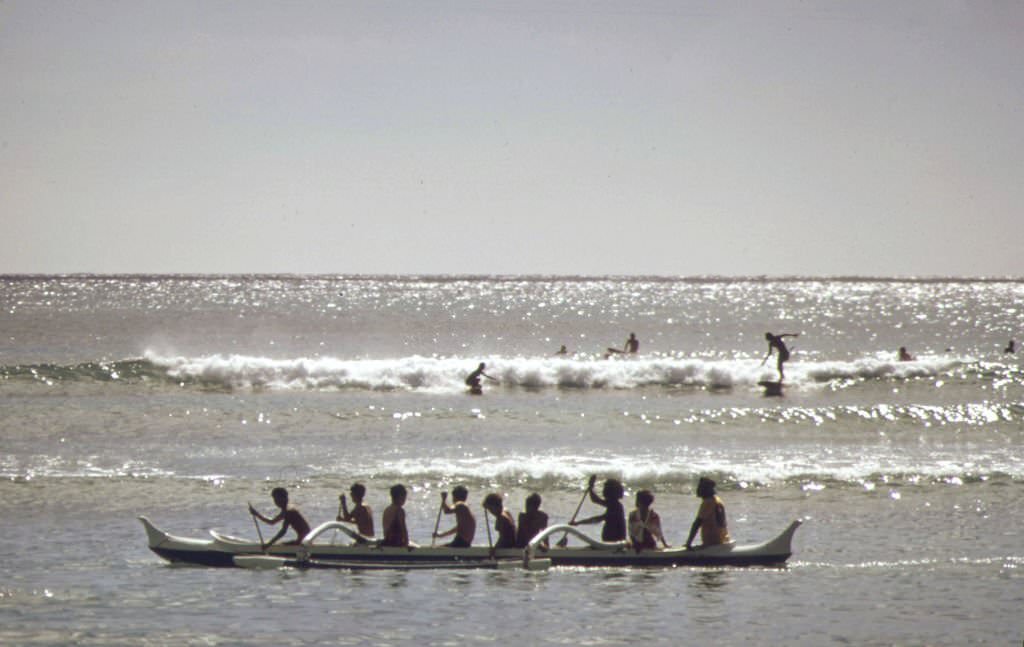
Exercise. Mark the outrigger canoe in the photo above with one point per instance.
(359, 552)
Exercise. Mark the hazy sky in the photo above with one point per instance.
(537, 137)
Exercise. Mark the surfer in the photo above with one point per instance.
(465, 522)
(289, 515)
(361, 514)
(904, 355)
(503, 524)
(393, 519)
(645, 524)
(531, 522)
(1011, 347)
(631, 347)
(614, 515)
(710, 517)
(473, 379)
(775, 343)
(563, 350)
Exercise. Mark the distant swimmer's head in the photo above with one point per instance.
(705, 487)
(613, 489)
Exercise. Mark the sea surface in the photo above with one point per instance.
(183, 398)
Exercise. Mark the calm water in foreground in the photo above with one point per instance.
(182, 398)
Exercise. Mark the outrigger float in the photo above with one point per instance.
(363, 553)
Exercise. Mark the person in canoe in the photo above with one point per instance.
(503, 524)
(531, 521)
(289, 517)
(710, 517)
(393, 519)
(465, 523)
(645, 524)
(473, 379)
(775, 343)
(614, 516)
(361, 514)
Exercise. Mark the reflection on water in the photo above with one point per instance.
(711, 581)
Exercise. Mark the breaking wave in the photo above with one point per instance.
(446, 375)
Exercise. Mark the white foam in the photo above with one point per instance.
(448, 374)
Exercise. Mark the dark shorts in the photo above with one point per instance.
(458, 542)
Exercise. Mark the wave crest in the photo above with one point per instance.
(447, 375)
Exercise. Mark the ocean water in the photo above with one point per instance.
(182, 398)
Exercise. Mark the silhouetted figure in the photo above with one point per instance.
(1011, 347)
(614, 515)
(531, 522)
(503, 524)
(288, 514)
(632, 344)
(904, 355)
(361, 514)
(465, 522)
(631, 347)
(563, 350)
(473, 379)
(775, 343)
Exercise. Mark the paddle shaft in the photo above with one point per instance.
(255, 522)
(487, 523)
(565, 537)
(437, 524)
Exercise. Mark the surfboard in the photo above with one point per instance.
(771, 388)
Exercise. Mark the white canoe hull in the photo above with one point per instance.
(221, 550)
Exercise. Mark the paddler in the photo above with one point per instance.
(503, 524)
(531, 522)
(645, 524)
(614, 516)
(361, 514)
(393, 519)
(465, 522)
(710, 517)
(289, 514)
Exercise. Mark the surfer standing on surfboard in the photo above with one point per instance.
(775, 343)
